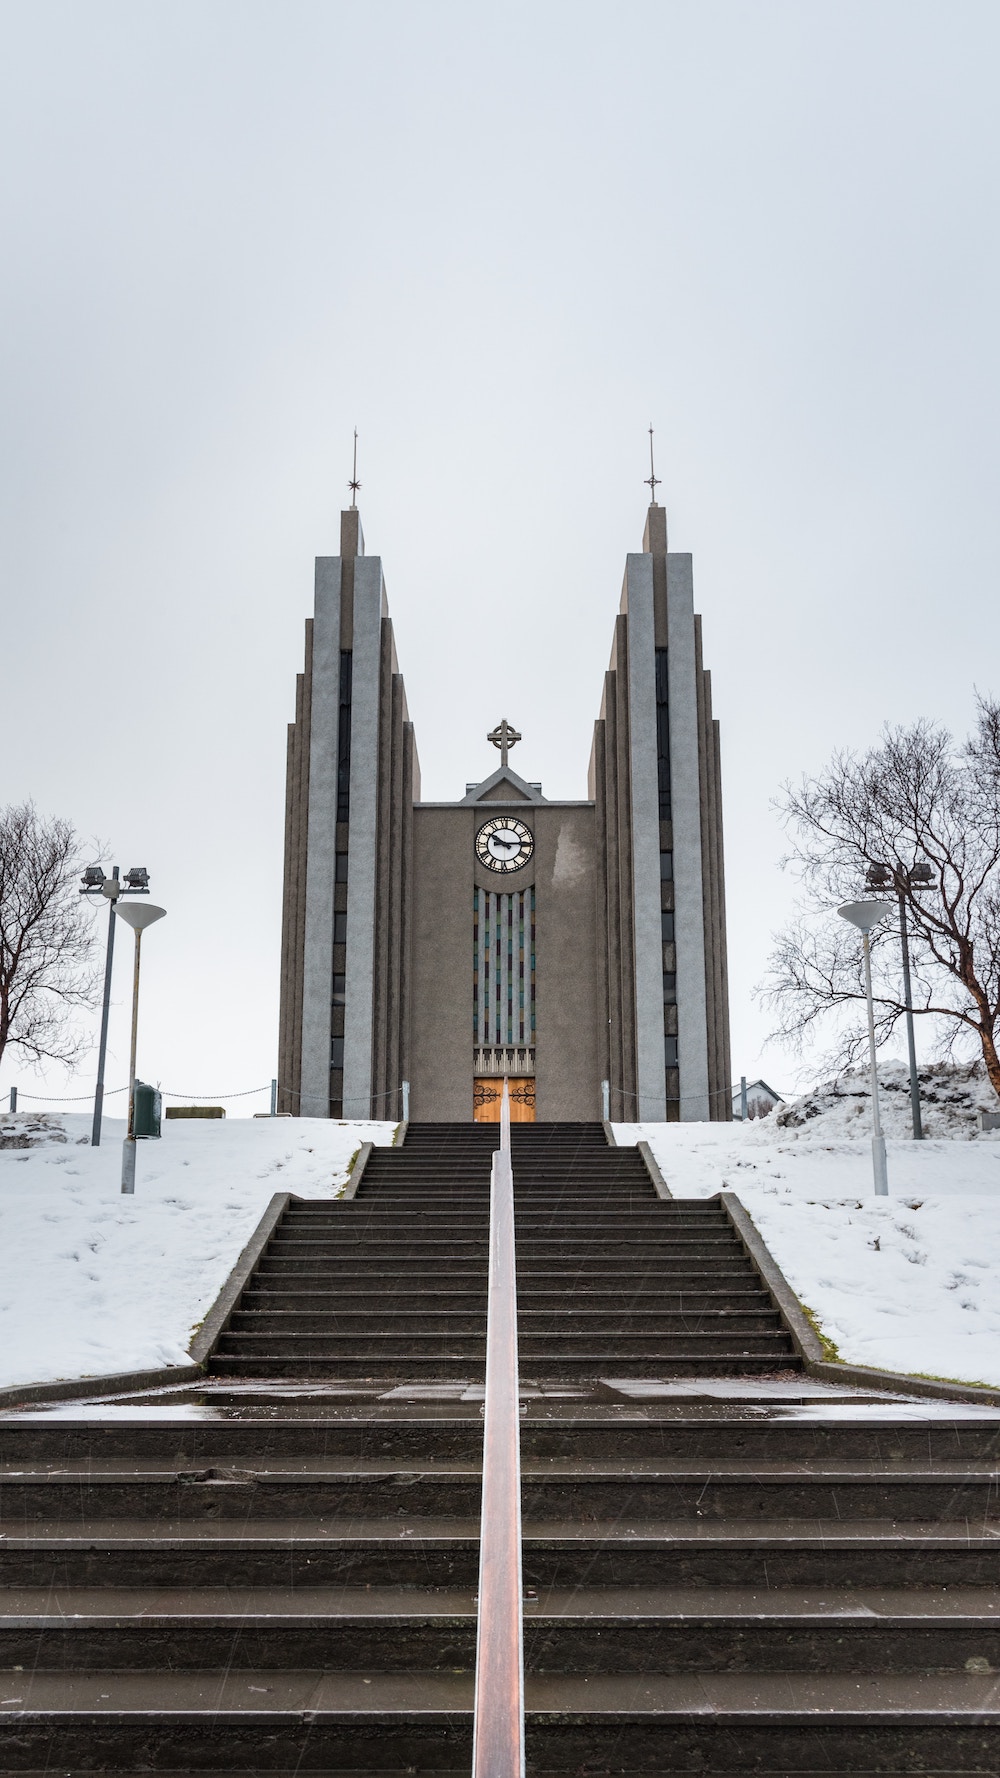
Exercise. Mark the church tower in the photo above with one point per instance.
(430, 949)
(655, 778)
(352, 782)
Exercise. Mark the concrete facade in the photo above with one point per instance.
(608, 941)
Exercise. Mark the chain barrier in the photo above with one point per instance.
(295, 1093)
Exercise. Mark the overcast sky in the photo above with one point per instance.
(499, 241)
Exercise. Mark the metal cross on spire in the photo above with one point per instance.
(354, 484)
(504, 737)
(652, 479)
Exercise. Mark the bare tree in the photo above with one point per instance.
(916, 796)
(45, 936)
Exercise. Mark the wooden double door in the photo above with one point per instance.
(487, 1093)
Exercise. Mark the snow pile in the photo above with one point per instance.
(95, 1282)
(951, 1099)
(904, 1283)
(28, 1130)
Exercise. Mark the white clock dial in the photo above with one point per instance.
(504, 844)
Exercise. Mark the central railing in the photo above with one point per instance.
(498, 1723)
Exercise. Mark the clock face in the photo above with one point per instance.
(504, 844)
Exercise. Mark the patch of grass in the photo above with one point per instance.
(963, 1382)
(830, 1352)
(342, 1187)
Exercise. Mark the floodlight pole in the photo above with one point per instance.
(95, 1135)
(918, 1128)
(878, 1140)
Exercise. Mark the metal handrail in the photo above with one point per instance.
(498, 1722)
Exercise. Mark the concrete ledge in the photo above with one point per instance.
(647, 1157)
(356, 1174)
(400, 1137)
(217, 1320)
(660, 1185)
(899, 1383)
(25, 1395)
(808, 1344)
(805, 1339)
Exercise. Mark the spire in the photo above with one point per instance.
(652, 480)
(352, 541)
(654, 541)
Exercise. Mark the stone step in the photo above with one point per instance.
(577, 1630)
(573, 1321)
(760, 1723)
(264, 1297)
(376, 1216)
(460, 1367)
(690, 1432)
(855, 1489)
(419, 1551)
(428, 1246)
(331, 1343)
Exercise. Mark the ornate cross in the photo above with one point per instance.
(354, 484)
(504, 737)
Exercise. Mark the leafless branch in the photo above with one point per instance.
(46, 937)
(916, 796)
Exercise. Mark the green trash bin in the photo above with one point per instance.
(147, 1110)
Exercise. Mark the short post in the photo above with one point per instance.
(864, 915)
(274, 1098)
(406, 1101)
(138, 915)
(743, 1098)
(606, 1100)
(13, 1098)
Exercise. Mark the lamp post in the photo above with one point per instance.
(138, 915)
(864, 915)
(917, 877)
(96, 883)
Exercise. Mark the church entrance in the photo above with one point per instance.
(487, 1093)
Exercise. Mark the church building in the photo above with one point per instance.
(579, 948)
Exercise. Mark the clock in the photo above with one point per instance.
(504, 844)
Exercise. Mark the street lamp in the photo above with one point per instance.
(880, 876)
(96, 883)
(864, 915)
(138, 915)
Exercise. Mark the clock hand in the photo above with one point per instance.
(508, 845)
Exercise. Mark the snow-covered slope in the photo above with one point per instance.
(94, 1283)
(907, 1282)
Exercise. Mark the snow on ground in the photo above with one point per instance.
(908, 1282)
(94, 1282)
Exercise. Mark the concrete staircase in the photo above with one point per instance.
(725, 1573)
(611, 1279)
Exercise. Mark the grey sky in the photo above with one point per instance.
(499, 241)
